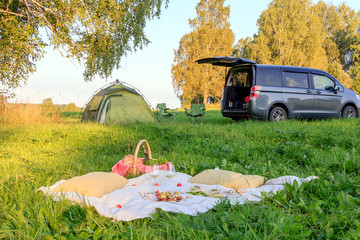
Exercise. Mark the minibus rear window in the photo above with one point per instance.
(240, 79)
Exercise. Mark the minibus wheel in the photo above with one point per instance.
(277, 114)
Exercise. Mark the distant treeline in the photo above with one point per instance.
(71, 107)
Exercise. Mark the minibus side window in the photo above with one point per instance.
(322, 82)
(295, 80)
(268, 77)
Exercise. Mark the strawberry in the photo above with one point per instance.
(241, 192)
(118, 206)
(179, 184)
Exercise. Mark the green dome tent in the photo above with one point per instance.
(117, 102)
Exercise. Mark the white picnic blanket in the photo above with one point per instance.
(137, 199)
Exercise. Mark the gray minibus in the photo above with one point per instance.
(280, 92)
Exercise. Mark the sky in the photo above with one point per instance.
(148, 69)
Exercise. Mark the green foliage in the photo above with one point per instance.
(210, 36)
(40, 155)
(341, 24)
(336, 69)
(48, 108)
(243, 48)
(355, 69)
(96, 33)
(290, 33)
(21, 45)
(71, 107)
(301, 33)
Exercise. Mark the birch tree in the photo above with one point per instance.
(301, 33)
(290, 33)
(210, 36)
(96, 33)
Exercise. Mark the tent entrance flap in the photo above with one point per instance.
(125, 108)
(103, 113)
(95, 103)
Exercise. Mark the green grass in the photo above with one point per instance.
(71, 115)
(328, 208)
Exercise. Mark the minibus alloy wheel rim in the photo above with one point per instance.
(349, 112)
(277, 114)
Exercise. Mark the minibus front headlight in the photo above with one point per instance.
(357, 97)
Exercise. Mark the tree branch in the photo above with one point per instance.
(12, 13)
(43, 7)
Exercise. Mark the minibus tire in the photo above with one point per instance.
(349, 112)
(277, 114)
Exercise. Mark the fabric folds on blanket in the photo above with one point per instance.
(135, 205)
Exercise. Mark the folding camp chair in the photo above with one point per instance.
(164, 113)
(196, 113)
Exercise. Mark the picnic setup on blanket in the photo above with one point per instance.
(161, 187)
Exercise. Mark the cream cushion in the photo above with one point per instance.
(94, 184)
(227, 179)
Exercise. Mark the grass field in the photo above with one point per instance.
(38, 155)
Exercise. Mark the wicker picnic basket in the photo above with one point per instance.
(133, 171)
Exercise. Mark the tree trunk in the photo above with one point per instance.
(206, 95)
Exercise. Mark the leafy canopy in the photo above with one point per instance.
(290, 33)
(71, 107)
(301, 33)
(48, 108)
(97, 33)
(210, 36)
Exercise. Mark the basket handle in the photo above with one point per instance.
(137, 151)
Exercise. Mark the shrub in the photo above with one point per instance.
(71, 107)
